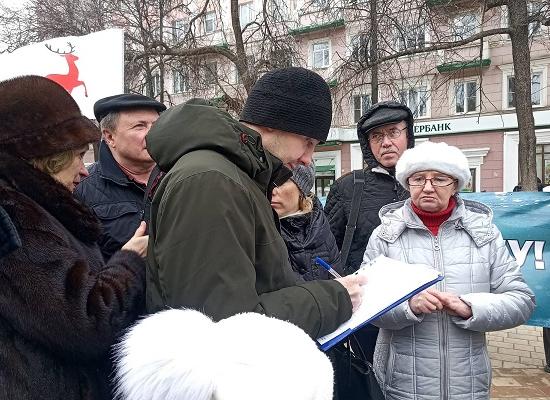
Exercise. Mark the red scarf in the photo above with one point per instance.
(433, 221)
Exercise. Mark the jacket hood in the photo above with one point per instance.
(368, 156)
(197, 125)
(474, 217)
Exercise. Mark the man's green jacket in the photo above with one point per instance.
(214, 245)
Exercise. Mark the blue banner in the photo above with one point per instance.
(524, 220)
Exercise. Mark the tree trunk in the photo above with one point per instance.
(519, 25)
(374, 50)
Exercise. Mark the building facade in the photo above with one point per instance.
(463, 95)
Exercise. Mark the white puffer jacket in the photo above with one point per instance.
(438, 356)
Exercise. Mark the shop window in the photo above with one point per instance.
(325, 175)
(543, 163)
(471, 185)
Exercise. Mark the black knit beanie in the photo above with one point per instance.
(294, 100)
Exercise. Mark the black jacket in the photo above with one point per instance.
(9, 238)
(308, 236)
(114, 199)
(61, 306)
(380, 188)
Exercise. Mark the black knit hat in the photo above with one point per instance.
(294, 100)
(39, 118)
(304, 177)
(118, 102)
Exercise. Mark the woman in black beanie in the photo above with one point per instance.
(304, 227)
(61, 306)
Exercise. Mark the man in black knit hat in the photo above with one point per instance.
(214, 239)
(384, 133)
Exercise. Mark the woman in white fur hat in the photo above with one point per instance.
(433, 346)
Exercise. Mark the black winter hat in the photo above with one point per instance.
(104, 106)
(292, 99)
(39, 118)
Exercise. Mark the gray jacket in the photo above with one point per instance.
(438, 356)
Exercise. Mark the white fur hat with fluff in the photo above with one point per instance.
(184, 355)
(430, 156)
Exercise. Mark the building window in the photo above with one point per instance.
(536, 90)
(156, 84)
(535, 8)
(411, 37)
(464, 26)
(246, 14)
(210, 22)
(179, 29)
(416, 99)
(361, 104)
(543, 163)
(320, 54)
(180, 82)
(466, 97)
(472, 183)
(360, 47)
(211, 73)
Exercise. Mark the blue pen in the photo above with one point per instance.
(327, 266)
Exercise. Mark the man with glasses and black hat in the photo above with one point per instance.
(115, 188)
(384, 133)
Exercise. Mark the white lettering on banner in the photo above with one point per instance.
(520, 253)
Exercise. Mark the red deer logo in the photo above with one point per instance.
(70, 80)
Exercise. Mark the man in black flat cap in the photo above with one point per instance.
(115, 188)
(385, 131)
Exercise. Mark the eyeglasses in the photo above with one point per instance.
(393, 133)
(437, 181)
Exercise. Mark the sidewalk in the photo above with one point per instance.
(517, 356)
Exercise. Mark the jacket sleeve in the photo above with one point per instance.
(510, 302)
(334, 210)
(205, 248)
(398, 317)
(53, 295)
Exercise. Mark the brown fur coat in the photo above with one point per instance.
(61, 307)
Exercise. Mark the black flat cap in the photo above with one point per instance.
(118, 102)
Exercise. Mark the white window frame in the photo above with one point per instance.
(453, 96)
(156, 84)
(246, 13)
(179, 28)
(180, 82)
(211, 73)
(356, 156)
(210, 18)
(536, 24)
(418, 89)
(402, 37)
(327, 50)
(363, 107)
(358, 42)
(535, 69)
(458, 21)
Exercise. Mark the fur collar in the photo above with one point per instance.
(18, 175)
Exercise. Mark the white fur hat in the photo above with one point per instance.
(184, 355)
(433, 156)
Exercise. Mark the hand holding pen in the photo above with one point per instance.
(352, 283)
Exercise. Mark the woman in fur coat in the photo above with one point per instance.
(61, 307)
